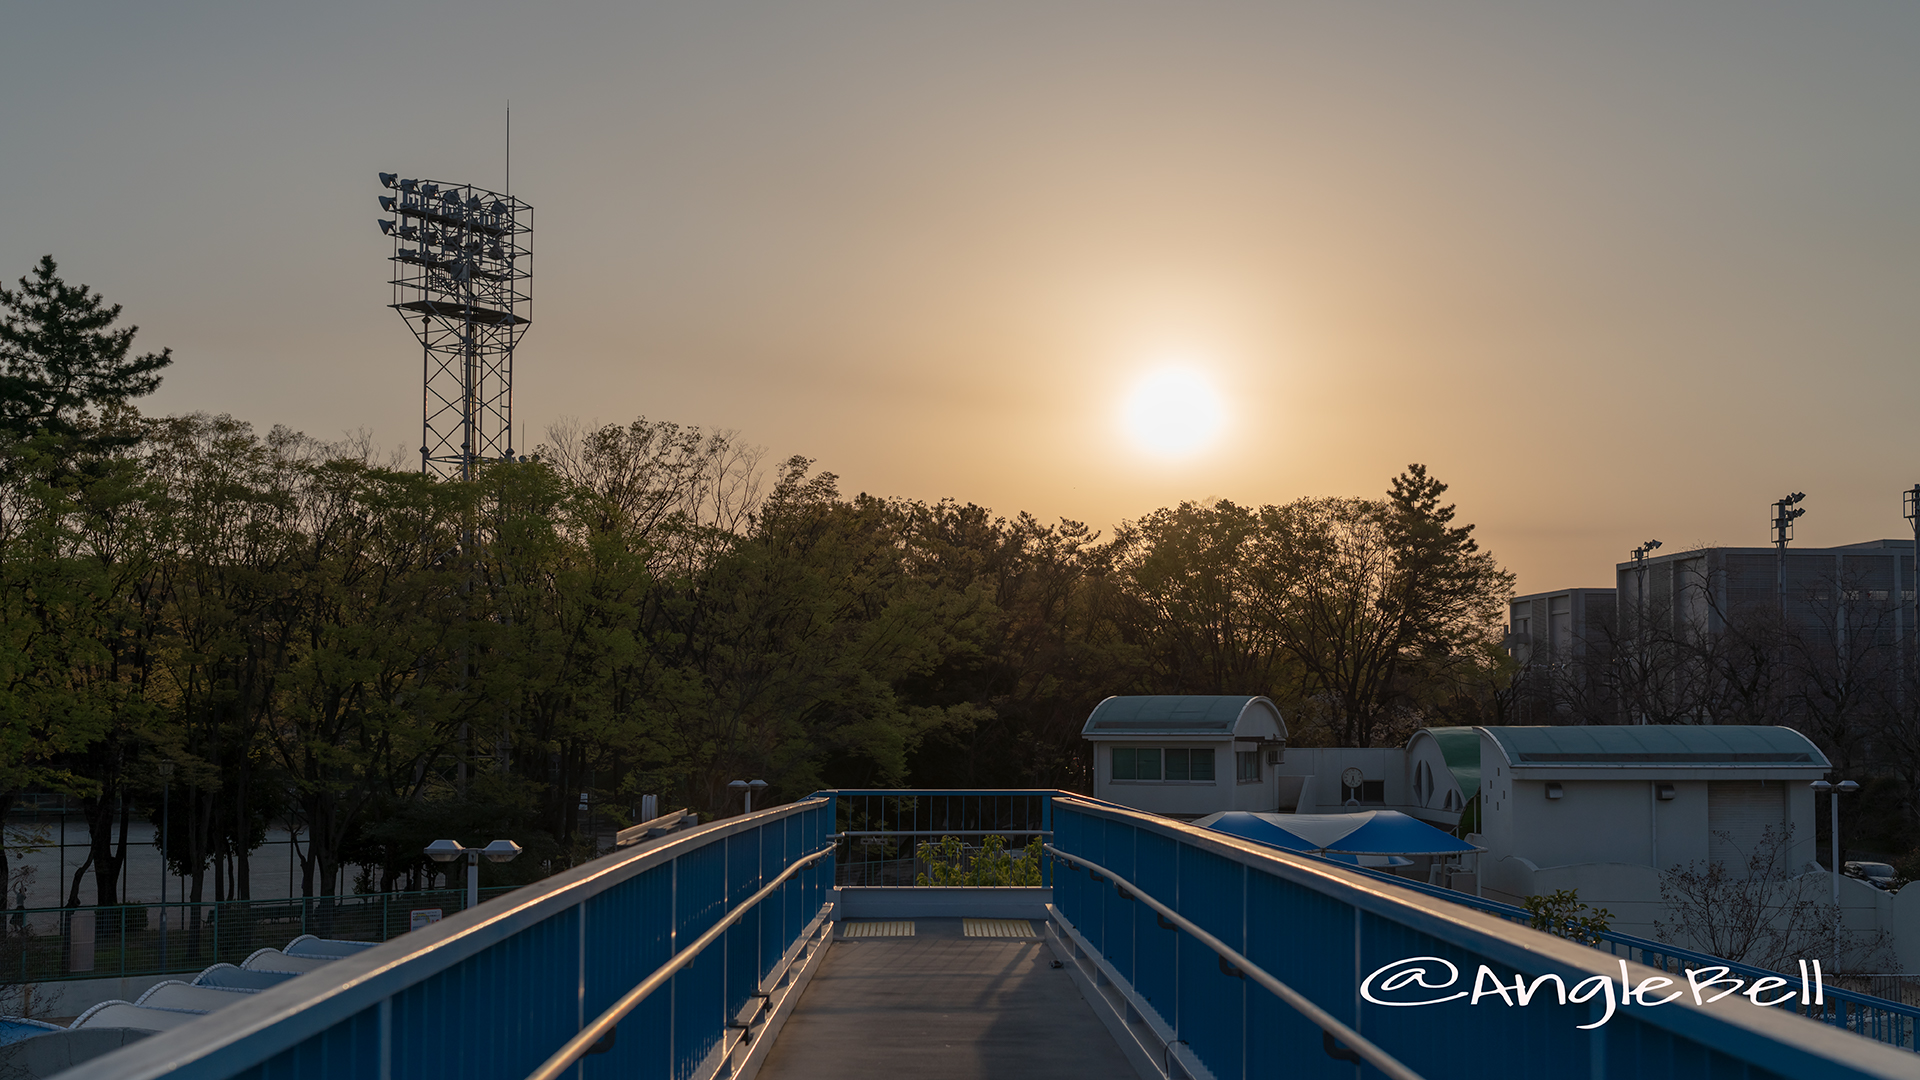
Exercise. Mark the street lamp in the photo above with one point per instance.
(749, 787)
(1834, 792)
(444, 851)
(1785, 512)
(1910, 507)
(1640, 609)
(166, 787)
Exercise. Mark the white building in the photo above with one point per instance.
(1605, 811)
(1431, 778)
(1573, 807)
(1187, 756)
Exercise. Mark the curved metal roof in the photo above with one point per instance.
(1194, 716)
(1460, 749)
(1696, 746)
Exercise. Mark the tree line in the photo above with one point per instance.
(308, 633)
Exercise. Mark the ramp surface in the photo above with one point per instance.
(941, 1005)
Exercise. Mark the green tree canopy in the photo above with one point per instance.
(61, 359)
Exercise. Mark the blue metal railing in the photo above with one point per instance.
(497, 991)
(884, 834)
(1232, 962)
(597, 1036)
(1891, 1022)
(550, 970)
(1325, 929)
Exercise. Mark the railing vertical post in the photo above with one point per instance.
(673, 986)
(386, 922)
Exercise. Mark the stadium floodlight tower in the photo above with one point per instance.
(463, 279)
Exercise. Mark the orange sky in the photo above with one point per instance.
(1612, 271)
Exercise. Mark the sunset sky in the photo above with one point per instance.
(1613, 271)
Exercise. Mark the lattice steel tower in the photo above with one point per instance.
(463, 280)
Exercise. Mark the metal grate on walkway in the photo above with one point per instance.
(882, 928)
(998, 928)
(944, 1006)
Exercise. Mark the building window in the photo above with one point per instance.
(1189, 764)
(1145, 763)
(1136, 763)
(1246, 766)
(1370, 792)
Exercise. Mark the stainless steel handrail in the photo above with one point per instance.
(1374, 1056)
(938, 832)
(577, 1047)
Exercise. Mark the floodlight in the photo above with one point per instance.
(1847, 786)
(387, 204)
(386, 227)
(757, 785)
(738, 785)
(388, 179)
(1651, 544)
(444, 850)
(501, 851)
(467, 315)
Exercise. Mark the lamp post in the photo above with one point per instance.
(1910, 507)
(445, 851)
(166, 815)
(1784, 513)
(1640, 613)
(1834, 792)
(748, 787)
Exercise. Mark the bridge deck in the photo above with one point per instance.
(941, 1006)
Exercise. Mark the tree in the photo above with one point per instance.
(1392, 612)
(1561, 913)
(60, 358)
(1765, 913)
(1051, 648)
(1188, 600)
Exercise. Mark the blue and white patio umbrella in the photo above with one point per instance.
(1377, 838)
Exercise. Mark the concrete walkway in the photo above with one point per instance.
(942, 1006)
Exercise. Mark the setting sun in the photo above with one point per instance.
(1173, 413)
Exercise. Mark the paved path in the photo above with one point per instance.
(941, 1006)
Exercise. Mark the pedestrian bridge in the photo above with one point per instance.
(810, 940)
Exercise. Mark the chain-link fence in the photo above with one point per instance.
(52, 944)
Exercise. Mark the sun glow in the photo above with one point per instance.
(1174, 413)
